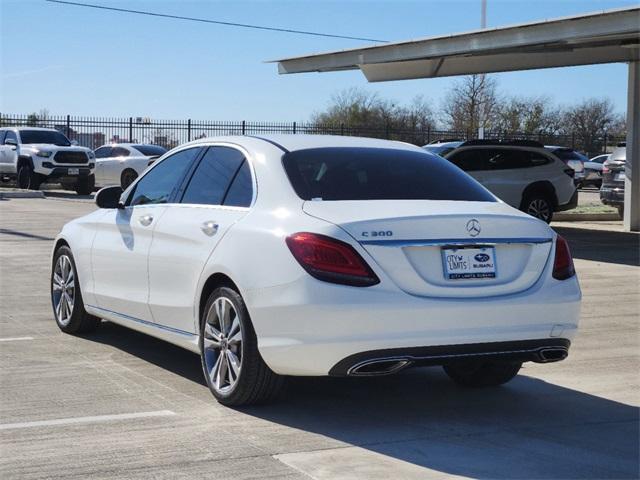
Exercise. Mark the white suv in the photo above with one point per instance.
(520, 173)
(37, 155)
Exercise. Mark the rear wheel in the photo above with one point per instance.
(66, 297)
(27, 178)
(232, 365)
(127, 177)
(538, 205)
(482, 374)
(85, 185)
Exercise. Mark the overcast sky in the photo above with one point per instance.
(82, 61)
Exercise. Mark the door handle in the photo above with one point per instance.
(209, 228)
(145, 220)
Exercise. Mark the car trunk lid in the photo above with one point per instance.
(412, 241)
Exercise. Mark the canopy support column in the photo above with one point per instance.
(632, 168)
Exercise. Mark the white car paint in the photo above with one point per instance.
(150, 277)
(109, 167)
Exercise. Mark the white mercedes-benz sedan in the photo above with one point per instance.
(318, 255)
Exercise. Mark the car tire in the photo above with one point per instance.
(233, 368)
(127, 177)
(27, 178)
(482, 374)
(85, 185)
(66, 297)
(538, 205)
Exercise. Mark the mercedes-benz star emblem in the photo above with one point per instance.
(473, 227)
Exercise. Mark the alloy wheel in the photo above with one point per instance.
(222, 345)
(539, 208)
(63, 290)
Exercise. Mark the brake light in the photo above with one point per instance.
(605, 169)
(563, 262)
(330, 260)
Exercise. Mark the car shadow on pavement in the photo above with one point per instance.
(602, 245)
(526, 429)
(66, 195)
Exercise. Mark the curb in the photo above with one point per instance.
(22, 194)
(585, 217)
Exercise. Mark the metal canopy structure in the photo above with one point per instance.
(608, 36)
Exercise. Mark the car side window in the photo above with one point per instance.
(11, 135)
(504, 159)
(158, 185)
(536, 159)
(473, 159)
(240, 191)
(120, 152)
(2, 134)
(212, 177)
(103, 152)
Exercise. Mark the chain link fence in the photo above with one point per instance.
(93, 132)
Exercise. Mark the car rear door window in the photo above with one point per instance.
(213, 176)
(120, 152)
(2, 134)
(159, 183)
(240, 191)
(475, 159)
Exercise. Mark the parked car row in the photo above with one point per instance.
(33, 156)
(613, 178)
(525, 174)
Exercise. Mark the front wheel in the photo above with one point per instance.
(538, 206)
(66, 297)
(482, 374)
(233, 368)
(27, 178)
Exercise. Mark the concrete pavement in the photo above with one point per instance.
(118, 404)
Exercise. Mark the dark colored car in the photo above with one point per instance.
(613, 177)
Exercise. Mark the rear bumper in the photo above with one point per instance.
(381, 362)
(571, 204)
(310, 327)
(612, 194)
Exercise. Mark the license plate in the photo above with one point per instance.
(620, 176)
(465, 263)
(73, 171)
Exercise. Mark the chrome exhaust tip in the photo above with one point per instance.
(552, 354)
(381, 366)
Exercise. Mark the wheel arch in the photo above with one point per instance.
(215, 280)
(24, 160)
(545, 187)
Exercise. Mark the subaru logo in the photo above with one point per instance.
(473, 227)
(481, 257)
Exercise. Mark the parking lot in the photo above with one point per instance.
(120, 404)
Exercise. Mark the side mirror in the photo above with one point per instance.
(109, 197)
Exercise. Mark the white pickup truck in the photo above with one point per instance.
(37, 155)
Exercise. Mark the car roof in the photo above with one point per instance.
(443, 144)
(31, 128)
(115, 144)
(293, 142)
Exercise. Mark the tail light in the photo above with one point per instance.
(605, 169)
(330, 260)
(563, 262)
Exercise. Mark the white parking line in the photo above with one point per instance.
(15, 339)
(96, 419)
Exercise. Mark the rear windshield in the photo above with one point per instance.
(44, 136)
(150, 150)
(378, 174)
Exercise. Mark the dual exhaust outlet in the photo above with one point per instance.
(388, 366)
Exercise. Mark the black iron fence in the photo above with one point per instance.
(93, 132)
